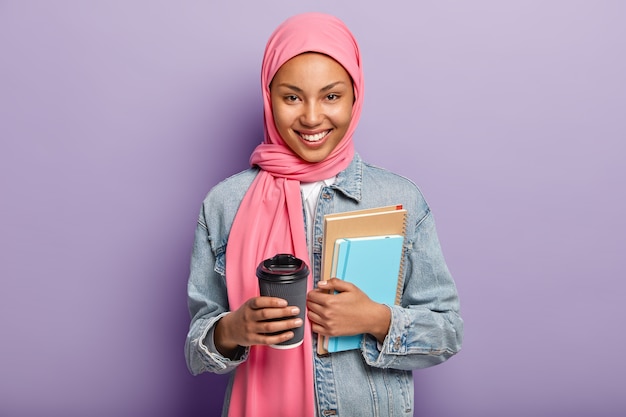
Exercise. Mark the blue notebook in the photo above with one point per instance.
(373, 264)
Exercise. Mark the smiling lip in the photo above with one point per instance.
(315, 137)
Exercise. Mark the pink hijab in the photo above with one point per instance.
(270, 220)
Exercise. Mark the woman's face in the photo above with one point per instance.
(312, 100)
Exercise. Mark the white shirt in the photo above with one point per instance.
(310, 193)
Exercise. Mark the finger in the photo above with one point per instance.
(265, 314)
(276, 339)
(270, 327)
(316, 328)
(269, 339)
(316, 296)
(320, 328)
(314, 310)
(257, 333)
(315, 318)
(257, 303)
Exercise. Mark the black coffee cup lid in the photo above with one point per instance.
(282, 267)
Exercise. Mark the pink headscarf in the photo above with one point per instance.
(270, 220)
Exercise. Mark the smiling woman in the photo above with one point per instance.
(312, 86)
(312, 100)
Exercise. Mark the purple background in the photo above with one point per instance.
(116, 117)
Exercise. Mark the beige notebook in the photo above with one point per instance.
(388, 220)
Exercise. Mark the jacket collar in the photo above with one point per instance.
(349, 181)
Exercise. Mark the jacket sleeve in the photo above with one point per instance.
(427, 328)
(207, 302)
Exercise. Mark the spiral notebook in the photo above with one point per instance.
(379, 221)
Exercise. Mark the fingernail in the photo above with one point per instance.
(298, 322)
(295, 310)
(322, 283)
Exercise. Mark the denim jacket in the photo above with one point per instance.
(375, 380)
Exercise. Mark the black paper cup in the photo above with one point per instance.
(285, 276)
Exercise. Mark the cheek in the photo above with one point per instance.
(278, 120)
(344, 116)
(282, 117)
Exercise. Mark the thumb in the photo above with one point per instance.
(335, 284)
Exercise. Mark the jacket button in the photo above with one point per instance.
(396, 343)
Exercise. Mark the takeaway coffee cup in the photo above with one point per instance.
(285, 276)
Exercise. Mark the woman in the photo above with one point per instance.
(313, 93)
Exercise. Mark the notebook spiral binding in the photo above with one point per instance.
(400, 287)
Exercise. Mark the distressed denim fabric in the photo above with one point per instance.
(377, 379)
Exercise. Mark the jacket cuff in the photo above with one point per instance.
(395, 343)
(216, 361)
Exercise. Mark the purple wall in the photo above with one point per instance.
(117, 117)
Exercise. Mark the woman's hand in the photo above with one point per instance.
(248, 325)
(349, 312)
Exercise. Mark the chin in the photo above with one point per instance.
(313, 157)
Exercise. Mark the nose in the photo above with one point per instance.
(312, 114)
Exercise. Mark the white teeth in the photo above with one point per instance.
(314, 138)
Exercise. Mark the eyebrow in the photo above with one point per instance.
(322, 90)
